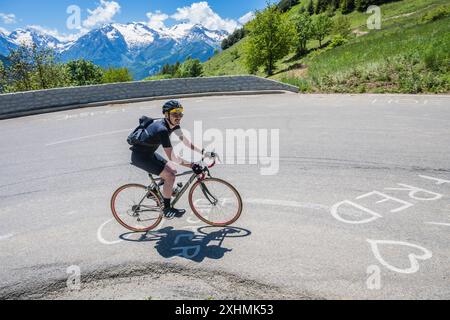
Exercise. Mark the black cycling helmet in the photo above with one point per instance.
(171, 106)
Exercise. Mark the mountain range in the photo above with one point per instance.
(134, 45)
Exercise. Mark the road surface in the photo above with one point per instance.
(356, 205)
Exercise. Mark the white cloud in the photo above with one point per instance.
(103, 14)
(156, 20)
(8, 18)
(201, 13)
(4, 31)
(247, 17)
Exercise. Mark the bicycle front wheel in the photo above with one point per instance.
(215, 202)
(136, 208)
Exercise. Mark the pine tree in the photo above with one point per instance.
(334, 4)
(321, 6)
(361, 5)
(347, 6)
(310, 7)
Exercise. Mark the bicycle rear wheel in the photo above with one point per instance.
(136, 208)
(215, 202)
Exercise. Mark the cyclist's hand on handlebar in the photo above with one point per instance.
(198, 168)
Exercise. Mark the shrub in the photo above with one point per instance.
(436, 14)
(191, 68)
(342, 26)
(302, 84)
(114, 75)
(83, 72)
(337, 41)
(435, 58)
(402, 74)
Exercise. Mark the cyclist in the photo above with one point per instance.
(146, 157)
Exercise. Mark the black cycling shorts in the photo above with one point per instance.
(152, 163)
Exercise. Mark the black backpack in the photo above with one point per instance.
(140, 134)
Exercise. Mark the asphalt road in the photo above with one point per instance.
(336, 216)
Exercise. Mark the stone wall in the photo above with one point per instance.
(22, 102)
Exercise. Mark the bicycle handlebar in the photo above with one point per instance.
(212, 155)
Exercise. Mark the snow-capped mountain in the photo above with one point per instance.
(186, 31)
(134, 45)
(6, 44)
(31, 36)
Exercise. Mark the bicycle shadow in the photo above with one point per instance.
(194, 246)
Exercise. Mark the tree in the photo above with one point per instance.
(115, 75)
(285, 5)
(321, 6)
(191, 68)
(270, 38)
(342, 26)
(3, 78)
(21, 69)
(322, 27)
(233, 38)
(334, 4)
(33, 68)
(361, 5)
(48, 73)
(82, 73)
(347, 6)
(304, 27)
(310, 7)
(165, 69)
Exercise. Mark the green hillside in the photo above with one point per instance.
(410, 54)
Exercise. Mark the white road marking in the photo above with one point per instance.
(337, 216)
(100, 237)
(106, 242)
(69, 213)
(286, 203)
(88, 137)
(413, 258)
(439, 223)
(6, 236)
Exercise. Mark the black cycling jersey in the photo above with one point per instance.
(145, 157)
(159, 134)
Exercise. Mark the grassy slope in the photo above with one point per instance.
(230, 61)
(401, 34)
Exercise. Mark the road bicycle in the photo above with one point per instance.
(214, 201)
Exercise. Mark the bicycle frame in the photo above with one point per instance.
(199, 183)
(155, 186)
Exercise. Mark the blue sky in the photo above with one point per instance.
(52, 15)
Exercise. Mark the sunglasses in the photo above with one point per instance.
(177, 110)
(177, 115)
